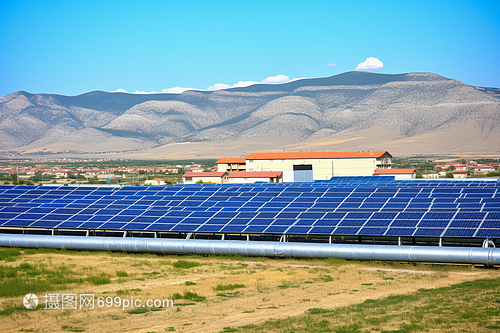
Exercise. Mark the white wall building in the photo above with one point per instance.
(253, 177)
(309, 166)
(399, 174)
(205, 177)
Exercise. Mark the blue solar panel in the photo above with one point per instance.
(400, 231)
(345, 231)
(17, 223)
(459, 232)
(121, 218)
(372, 202)
(298, 229)
(488, 232)
(255, 228)
(433, 224)
(368, 231)
(351, 222)
(276, 229)
(210, 228)
(378, 223)
(186, 227)
(45, 224)
(429, 232)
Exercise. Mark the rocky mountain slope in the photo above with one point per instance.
(416, 113)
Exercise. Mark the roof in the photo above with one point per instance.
(204, 174)
(229, 160)
(255, 174)
(394, 172)
(460, 171)
(158, 179)
(316, 155)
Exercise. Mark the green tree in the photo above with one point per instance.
(449, 175)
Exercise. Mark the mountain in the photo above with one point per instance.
(415, 113)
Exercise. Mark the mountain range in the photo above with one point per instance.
(406, 114)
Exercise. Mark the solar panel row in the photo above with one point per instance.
(437, 208)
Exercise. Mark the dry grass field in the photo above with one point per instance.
(238, 294)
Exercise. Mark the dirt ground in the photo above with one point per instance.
(256, 289)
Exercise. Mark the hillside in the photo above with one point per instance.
(415, 113)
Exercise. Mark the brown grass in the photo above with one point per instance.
(273, 288)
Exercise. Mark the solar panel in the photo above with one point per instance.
(350, 203)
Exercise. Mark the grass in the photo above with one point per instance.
(72, 328)
(231, 285)
(188, 295)
(224, 287)
(184, 264)
(138, 311)
(473, 306)
(230, 295)
(120, 273)
(9, 254)
(37, 278)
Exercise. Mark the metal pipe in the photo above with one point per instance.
(464, 255)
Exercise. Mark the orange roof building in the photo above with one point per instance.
(317, 155)
(231, 164)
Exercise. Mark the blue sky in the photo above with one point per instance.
(72, 47)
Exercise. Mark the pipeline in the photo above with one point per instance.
(459, 255)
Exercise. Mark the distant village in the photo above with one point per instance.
(256, 167)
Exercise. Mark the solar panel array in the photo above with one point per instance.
(366, 206)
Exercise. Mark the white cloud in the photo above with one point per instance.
(331, 65)
(244, 84)
(280, 78)
(220, 86)
(276, 79)
(175, 90)
(369, 63)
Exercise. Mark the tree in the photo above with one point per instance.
(449, 175)
(419, 175)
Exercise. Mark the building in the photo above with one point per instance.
(205, 177)
(310, 166)
(430, 175)
(231, 164)
(459, 174)
(253, 177)
(399, 174)
(155, 181)
(173, 169)
(484, 168)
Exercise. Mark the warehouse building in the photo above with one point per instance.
(310, 166)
